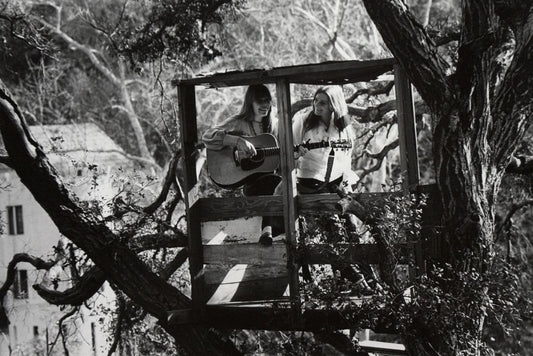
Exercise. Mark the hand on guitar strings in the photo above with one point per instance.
(245, 148)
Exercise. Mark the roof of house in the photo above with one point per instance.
(73, 137)
(81, 142)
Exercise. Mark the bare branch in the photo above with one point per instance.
(380, 158)
(85, 288)
(37, 262)
(372, 91)
(60, 332)
(169, 179)
(514, 208)
(442, 39)
(176, 263)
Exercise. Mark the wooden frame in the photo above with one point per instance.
(202, 210)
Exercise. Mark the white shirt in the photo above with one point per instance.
(314, 163)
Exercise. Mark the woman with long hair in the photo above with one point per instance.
(253, 119)
(324, 170)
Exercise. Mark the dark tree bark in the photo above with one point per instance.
(120, 264)
(479, 114)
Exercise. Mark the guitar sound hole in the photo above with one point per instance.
(253, 162)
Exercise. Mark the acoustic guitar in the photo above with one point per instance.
(228, 170)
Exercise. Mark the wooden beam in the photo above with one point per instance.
(277, 316)
(288, 173)
(227, 208)
(189, 139)
(254, 254)
(340, 72)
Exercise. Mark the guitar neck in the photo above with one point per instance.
(272, 151)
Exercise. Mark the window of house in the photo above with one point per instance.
(35, 331)
(20, 285)
(14, 220)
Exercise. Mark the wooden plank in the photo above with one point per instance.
(288, 173)
(189, 139)
(319, 73)
(254, 254)
(218, 274)
(277, 316)
(242, 230)
(381, 347)
(251, 291)
(241, 282)
(213, 209)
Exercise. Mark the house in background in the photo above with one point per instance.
(88, 160)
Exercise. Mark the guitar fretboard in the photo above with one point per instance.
(271, 151)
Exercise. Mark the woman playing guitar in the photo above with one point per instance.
(253, 119)
(324, 170)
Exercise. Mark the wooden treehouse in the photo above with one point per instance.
(249, 286)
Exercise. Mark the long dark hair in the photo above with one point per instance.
(337, 105)
(256, 92)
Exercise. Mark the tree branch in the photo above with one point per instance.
(37, 262)
(91, 281)
(372, 91)
(512, 211)
(169, 180)
(85, 288)
(176, 263)
(520, 165)
(6, 160)
(413, 49)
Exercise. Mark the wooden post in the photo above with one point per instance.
(405, 111)
(189, 139)
(288, 173)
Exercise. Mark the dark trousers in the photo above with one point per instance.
(265, 184)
